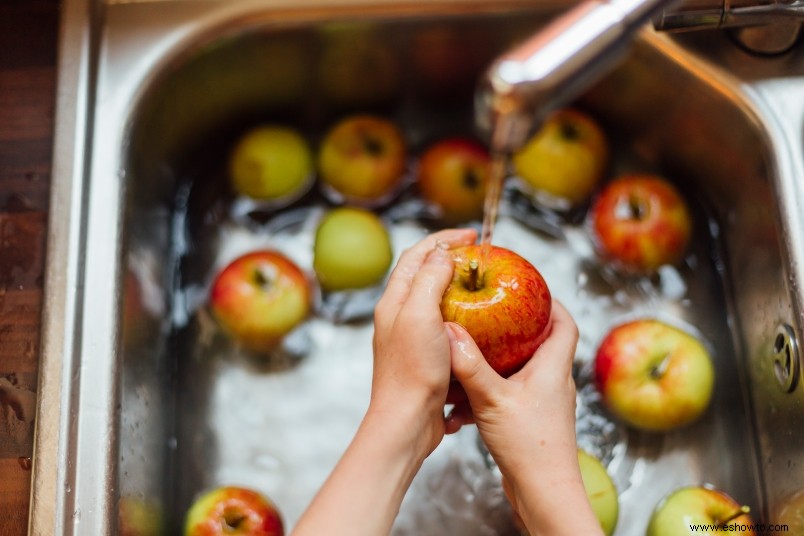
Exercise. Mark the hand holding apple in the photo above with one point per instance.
(527, 422)
(352, 249)
(453, 174)
(679, 512)
(259, 298)
(654, 376)
(233, 510)
(566, 158)
(640, 222)
(271, 163)
(362, 159)
(506, 308)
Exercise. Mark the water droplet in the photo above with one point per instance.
(25, 462)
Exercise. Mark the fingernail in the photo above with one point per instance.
(452, 333)
(440, 244)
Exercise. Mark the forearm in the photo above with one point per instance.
(363, 494)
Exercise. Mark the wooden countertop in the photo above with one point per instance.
(28, 36)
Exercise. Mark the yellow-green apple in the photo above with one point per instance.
(259, 298)
(566, 158)
(233, 510)
(453, 175)
(654, 376)
(640, 222)
(138, 518)
(352, 249)
(362, 158)
(600, 490)
(271, 163)
(699, 510)
(502, 300)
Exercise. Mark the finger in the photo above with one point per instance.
(558, 350)
(460, 415)
(401, 278)
(479, 380)
(424, 299)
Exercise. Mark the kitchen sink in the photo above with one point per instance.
(143, 403)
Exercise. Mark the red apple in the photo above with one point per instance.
(566, 158)
(232, 510)
(502, 301)
(259, 298)
(699, 510)
(654, 376)
(640, 222)
(362, 159)
(453, 175)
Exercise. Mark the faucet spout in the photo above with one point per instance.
(555, 65)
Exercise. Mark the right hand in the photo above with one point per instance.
(527, 421)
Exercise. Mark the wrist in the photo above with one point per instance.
(406, 427)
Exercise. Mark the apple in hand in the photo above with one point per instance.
(259, 298)
(362, 159)
(640, 222)
(600, 490)
(453, 175)
(566, 158)
(233, 510)
(654, 376)
(502, 301)
(271, 163)
(679, 512)
(352, 250)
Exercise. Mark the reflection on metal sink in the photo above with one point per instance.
(133, 396)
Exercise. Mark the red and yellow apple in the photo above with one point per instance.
(654, 376)
(233, 510)
(453, 175)
(699, 510)
(271, 163)
(259, 298)
(362, 159)
(566, 158)
(640, 223)
(502, 301)
(352, 250)
(600, 490)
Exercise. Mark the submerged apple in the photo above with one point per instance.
(600, 490)
(233, 510)
(502, 301)
(699, 510)
(640, 222)
(654, 376)
(259, 298)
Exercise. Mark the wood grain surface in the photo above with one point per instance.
(28, 35)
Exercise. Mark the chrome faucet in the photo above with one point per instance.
(567, 56)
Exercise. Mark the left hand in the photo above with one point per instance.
(411, 346)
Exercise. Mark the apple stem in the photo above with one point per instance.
(742, 511)
(474, 271)
(658, 371)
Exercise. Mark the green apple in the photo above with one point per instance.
(271, 163)
(259, 298)
(654, 376)
(235, 511)
(362, 158)
(352, 250)
(699, 510)
(566, 158)
(600, 490)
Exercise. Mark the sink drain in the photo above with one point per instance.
(786, 364)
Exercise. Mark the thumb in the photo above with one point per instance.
(478, 379)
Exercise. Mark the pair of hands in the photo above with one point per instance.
(527, 421)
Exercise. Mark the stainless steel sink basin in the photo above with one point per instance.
(142, 401)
